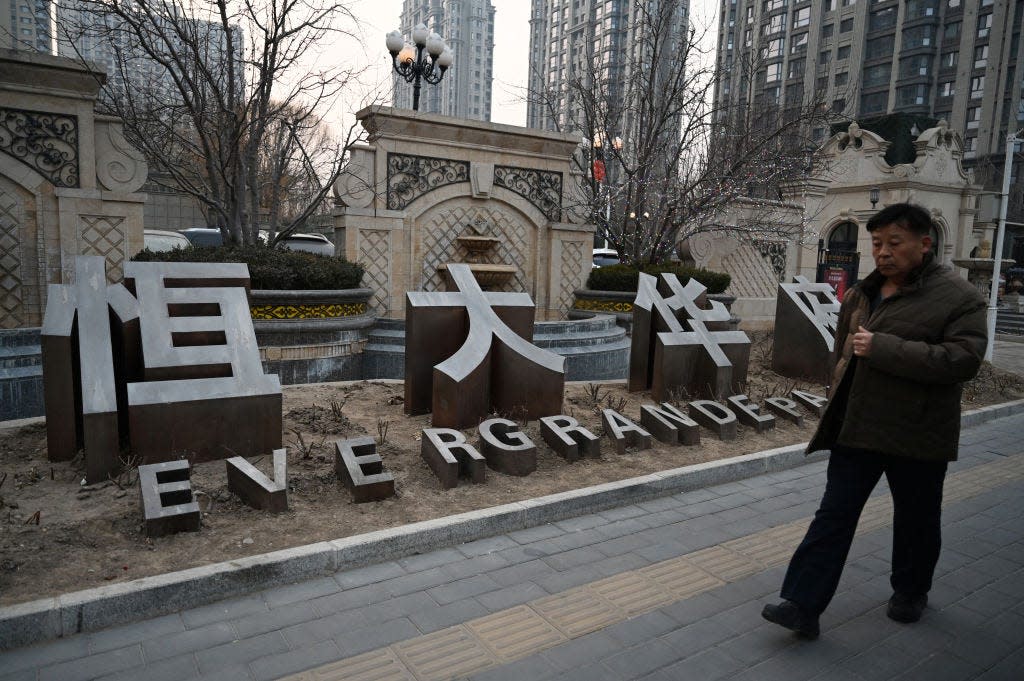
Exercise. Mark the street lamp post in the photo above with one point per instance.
(412, 65)
(993, 299)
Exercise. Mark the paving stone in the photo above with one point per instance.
(433, 559)
(620, 545)
(583, 522)
(579, 652)
(358, 641)
(221, 611)
(510, 596)
(92, 666)
(303, 591)
(707, 665)
(358, 597)
(179, 668)
(278, 618)
(378, 665)
(449, 653)
(44, 654)
(558, 582)
(533, 534)
(940, 667)
(571, 540)
(577, 612)
(692, 609)
(439, 617)
(533, 668)
(323, 628)
(515, 633)
(120, 637)
(623, 513)
(691, 639)
(642, 658)
(641, 628)
(758, 644)
(463, 588)
(521, 573)
(241, 651)
(485, 546)
(282, 664)
(371, 574)
(188, 641)
(417, 581)
(238, 672)
(617, 564)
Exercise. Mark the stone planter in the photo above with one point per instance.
(312, 336)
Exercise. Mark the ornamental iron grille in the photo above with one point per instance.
(45, 142)
(542, 188)
(410, 177)
(775, 253)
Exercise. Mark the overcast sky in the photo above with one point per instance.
(511, 49)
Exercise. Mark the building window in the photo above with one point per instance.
(980, 56)
(984, 25)
(775, 47)
(912, 95)
(773, 73)
(839, 105)
(846, 25)
(843, 52)
(973, 117)
(977, 87)
(825, 57)
(826, 31)
(880, 47)
(802, 17)
(874, 102)
(842, 78)
(947, 89)
(919, 36)
(948, 60)
(951, 32)
(912, 67)
(883, 18)
(921, 8)
(843, 237)
(799, 43)
(796, 67)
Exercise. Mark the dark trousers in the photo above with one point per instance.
(916, 486)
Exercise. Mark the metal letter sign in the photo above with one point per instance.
(805, 327)
(467, 354)
(665, 357)
(177, 374)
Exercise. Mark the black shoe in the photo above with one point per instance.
(789, 615)
(906, 609)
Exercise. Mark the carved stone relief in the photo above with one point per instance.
(119, 166)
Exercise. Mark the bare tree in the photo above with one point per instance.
(666, 160)
(221, 98)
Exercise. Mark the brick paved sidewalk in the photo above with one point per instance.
(666, 589)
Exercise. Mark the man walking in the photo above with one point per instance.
(908, 336)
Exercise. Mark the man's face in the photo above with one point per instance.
(897, 250)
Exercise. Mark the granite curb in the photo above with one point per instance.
(93, 609)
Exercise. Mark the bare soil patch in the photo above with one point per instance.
(57, 536)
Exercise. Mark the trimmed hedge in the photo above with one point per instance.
(271, 268)
(625, 277)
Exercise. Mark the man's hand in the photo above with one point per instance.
(862, 342)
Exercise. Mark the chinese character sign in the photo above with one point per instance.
(806, 314)
(695, 359)
(177, 373)
(467, 355)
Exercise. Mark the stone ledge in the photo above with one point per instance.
(92, 609)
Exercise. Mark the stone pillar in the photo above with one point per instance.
(81, 200)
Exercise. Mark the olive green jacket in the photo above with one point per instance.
(904, 398)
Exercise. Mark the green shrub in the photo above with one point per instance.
(625, 277)
(271, 268)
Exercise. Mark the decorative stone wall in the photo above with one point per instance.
(424, 180)
(68, 182)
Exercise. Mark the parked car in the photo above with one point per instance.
(310, 243)
(164, 240)
(204, 236)
(605, 256)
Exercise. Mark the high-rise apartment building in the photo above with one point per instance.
(573, 40)
(958, 60)
(468, 28)
(28, 25)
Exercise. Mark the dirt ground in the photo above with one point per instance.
(58, 536)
